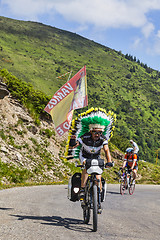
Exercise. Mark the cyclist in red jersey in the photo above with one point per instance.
(130, 161)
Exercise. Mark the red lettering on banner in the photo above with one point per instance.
(66, 125)
(69, 86)
(62, 128)
(65, 91)
(59, 131)
(59, 96)
(76, 85)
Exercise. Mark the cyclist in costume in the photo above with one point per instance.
(130, 161)
(90, 134)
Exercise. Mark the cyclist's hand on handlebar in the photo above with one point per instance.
(109, 164)
(121, 168)
(73, 137)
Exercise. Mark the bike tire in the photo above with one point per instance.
(86, 214)
(95, 208)
(132, 188)
(86, 209)
(122, 188)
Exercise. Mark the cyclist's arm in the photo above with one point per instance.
(124, 163)
(134, 162)
(107, 153)
(73, 142)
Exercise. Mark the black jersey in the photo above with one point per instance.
(90, 148)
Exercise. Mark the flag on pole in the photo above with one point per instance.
(72, 95)
(63, 75)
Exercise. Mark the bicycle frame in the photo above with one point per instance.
(126, 182)
(92, 180)
(92, 190)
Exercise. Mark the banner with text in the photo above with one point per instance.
(72, 95)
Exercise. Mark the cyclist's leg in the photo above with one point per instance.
(99, 178)
(83, 184)
(84, 178)
(135, 172)
(99, 183)
(84, 175)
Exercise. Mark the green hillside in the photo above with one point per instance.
(38, 54)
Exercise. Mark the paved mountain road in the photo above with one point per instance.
(44, 212)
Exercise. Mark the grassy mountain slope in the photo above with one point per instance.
(38, 54)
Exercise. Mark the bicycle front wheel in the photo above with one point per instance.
(86, 208)
(86, 214)
(131, 187)
(95, 208)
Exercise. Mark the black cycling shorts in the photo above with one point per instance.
(135, 167)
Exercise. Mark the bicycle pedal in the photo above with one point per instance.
(99, 211)
(81, 199)
(83, 204)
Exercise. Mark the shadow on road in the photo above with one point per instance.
(69, 223)
(113, 192)
(6, 209)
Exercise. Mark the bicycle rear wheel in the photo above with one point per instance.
(95, 208)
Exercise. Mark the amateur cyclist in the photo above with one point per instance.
(91, 144)
(130, 161)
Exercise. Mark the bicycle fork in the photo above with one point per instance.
(99, 193)
(97, 183)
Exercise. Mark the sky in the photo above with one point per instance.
(129, 26)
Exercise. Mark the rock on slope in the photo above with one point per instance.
(27, 146)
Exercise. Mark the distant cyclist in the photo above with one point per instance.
(130, 161)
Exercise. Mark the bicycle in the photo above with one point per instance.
(126, 181)
(93, 194)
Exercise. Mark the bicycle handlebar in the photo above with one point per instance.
(120, 169)
(110, 164)
(80, 166)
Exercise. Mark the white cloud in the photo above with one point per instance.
(102, 13)
(99, 13)
(28, 10)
